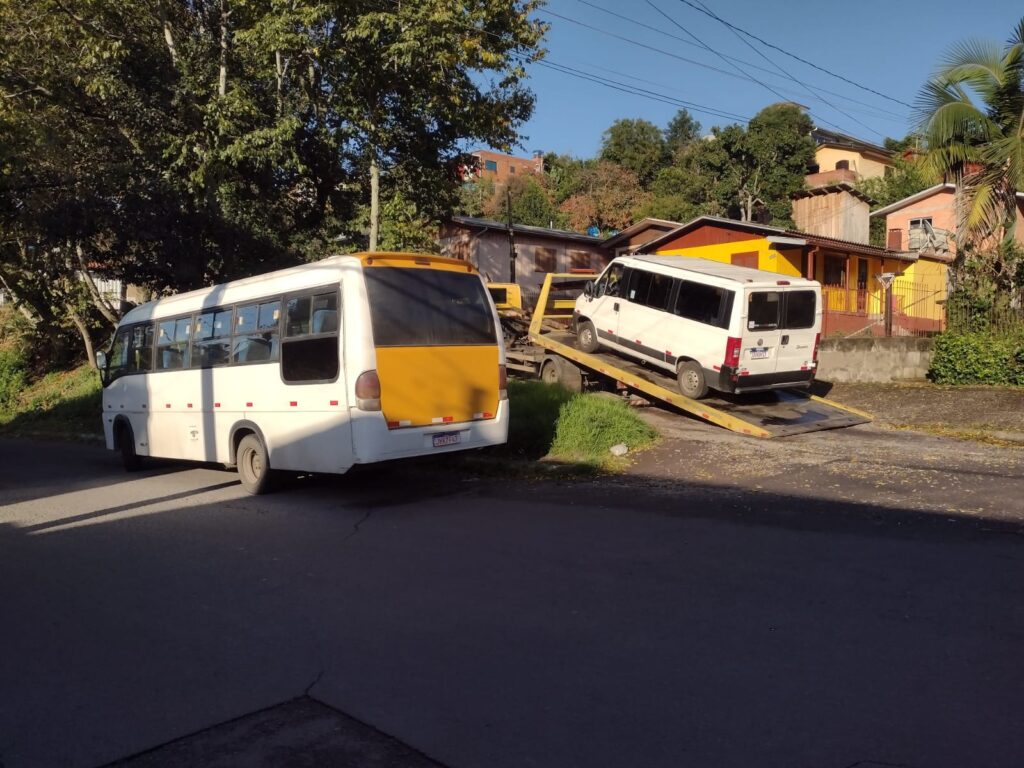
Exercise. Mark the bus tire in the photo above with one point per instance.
(691, 380)
(586, 337)
(130, 460)
(253, 465)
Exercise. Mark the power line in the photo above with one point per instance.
(744, 62)
(787, 74)
(719, 55)
(798, 58)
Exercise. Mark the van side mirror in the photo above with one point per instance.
(588, 289)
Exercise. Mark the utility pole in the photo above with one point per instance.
(511, 237)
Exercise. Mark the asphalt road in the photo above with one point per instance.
(718, 619)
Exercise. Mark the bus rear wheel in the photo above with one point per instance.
(253, 466)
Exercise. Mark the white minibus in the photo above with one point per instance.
(712, 325)
(348, 360)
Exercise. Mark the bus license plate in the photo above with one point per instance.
(446, 438)
(758, 353)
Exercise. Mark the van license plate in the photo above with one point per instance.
(758, 353)
(446, 438)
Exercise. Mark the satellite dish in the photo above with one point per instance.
(593, 231)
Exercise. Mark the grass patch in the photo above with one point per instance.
(570, 432)
(980, 434)
(62, 404)
(589, 425)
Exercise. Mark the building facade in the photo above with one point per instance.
(486, 245)
(502, 168)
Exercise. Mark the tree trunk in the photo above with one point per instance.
(374, 200)
(90, 355)
(165, 22)
(101, 303)
(222, 87)
(279, 70)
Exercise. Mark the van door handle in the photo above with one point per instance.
(785, 340)
(615, 306)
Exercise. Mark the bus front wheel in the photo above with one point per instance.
(130, 460)
(253, 465)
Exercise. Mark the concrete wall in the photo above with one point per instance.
(879, 360)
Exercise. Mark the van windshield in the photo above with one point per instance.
(428, 307)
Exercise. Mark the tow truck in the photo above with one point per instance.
(540, 345)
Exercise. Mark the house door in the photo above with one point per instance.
(862, 286)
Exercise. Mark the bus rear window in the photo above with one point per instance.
(428, 307)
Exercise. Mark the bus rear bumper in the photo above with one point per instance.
(373, 441)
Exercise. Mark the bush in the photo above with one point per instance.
(978, 358)
(14, 356)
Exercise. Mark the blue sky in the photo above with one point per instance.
(890, 47)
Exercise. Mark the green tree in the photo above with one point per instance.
(531, 204)
(681, 131)
(971, 112)
(742, 173)
(637, 145)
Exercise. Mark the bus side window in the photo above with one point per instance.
(117, 360)
(140, 353)
(309, 352)
(211, 342)
(172, 344)
(256, 333)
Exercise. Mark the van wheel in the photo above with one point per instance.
(130, 460)
(691, 380)
(586, 337)
(253, 467)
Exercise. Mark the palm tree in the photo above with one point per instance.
(971, 113)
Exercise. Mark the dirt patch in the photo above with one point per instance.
(970, 412)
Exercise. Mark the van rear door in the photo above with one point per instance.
(762, 334)
(801, 312)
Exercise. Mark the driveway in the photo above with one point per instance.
(736, 613)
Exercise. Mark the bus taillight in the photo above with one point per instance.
(502, 383)
(368, 391)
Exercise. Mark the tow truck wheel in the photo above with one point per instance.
(586, 337)
(691, 380)
(549, 372)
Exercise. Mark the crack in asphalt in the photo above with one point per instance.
(356, 526)
(319, 676)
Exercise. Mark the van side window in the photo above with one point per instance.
(609, 282)
(763, 310)
(638, 286)
(706, 304)
(799, 309)
(309, 352)
(660, 291)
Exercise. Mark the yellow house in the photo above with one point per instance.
(839, 152)
(853, 275)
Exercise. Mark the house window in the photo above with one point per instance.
(491, 165)
(835, 270)
(511, 168)
(918, 233)
(544, 259)
(579, 260)
(842, 165)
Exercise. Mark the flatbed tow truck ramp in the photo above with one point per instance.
(551, 353)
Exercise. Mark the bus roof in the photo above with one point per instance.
(293, 278)
(728, 272)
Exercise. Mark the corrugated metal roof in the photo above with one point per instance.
(564, 234)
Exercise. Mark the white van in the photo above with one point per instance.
(730, 328)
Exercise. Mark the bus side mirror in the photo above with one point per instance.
(588, 289)
(101, 360)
